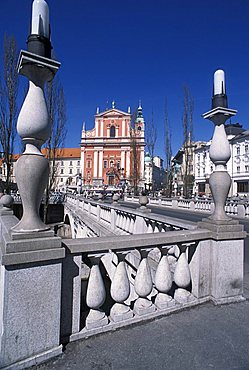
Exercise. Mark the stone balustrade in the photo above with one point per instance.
(92, 285)
(119, 220)
(122, 280)
(234, 207)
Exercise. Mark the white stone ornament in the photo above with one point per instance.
(120, 291)
(163, 283)
(143, 286)
(220, 151)
(95, 298)
(163, 279)
(182, 276)
(33, 121)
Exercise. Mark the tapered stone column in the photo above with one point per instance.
(33, 126)
(220, 153)
(226, 249)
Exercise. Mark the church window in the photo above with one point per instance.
(111, 163)
(112, 131)
(105, 163)
(61, 170)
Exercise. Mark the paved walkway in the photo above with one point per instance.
(204, 337)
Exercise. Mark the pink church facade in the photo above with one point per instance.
(112, 153)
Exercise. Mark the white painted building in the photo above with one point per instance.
(153, 176)
(67, 163)
(237, 166)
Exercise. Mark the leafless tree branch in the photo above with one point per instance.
(8, 104)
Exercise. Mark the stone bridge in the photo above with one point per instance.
(88, 218)
(132, 266)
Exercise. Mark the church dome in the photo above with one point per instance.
(147, 158)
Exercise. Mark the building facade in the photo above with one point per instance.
(67, 168)
(237, 166)
(112, 153)
(154, 173)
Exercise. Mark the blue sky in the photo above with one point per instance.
(128, 50)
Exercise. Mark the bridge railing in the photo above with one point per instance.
(122, 220)
(118, 281)
(234, 207)
(86, 286)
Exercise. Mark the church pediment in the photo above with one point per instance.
(112, 113)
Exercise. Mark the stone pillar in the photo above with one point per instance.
(220, 153)
(221, 257)
(30, 296)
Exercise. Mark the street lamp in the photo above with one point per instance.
(33, 125)
(220, 180)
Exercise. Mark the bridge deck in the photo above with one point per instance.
(205, 337)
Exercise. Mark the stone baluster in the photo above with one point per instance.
(131, 226)
(182, 279)
(95, 296)
(109, 216)
(127, 224)
(143, 286)
(120, 290)
(98, 212)
(157, 228)
(163, 282)
(118, 220)
(123, 222)
(149, 227)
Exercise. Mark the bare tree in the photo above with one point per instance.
(134, 175)
(150, 140)
(8, 104)
(168, 152)
(55, 97)
(187, 122)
